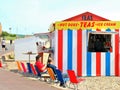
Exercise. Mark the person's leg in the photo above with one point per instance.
(62, 83)
(3, 48)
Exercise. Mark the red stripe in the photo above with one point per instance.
(60, 50)
(79, 52)
(117, 53)
(98, 61)
(98, 64)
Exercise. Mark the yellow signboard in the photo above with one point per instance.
(76, 25)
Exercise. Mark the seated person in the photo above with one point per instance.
(50, 65)
(41, 67)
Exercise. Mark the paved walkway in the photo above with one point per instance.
(13, 81)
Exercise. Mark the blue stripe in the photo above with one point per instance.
(70, 40)
(107, 61)
(107, 64)
(89, 63)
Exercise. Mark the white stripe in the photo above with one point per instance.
(84, 52)
(112, 55)
(103, 73)
(56, 47)
(93, 63)
(65, 47)
(74, 51)
(103, 61)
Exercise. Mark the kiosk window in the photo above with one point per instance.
(99, 43)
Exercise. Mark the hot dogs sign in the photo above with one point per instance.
(87, 25)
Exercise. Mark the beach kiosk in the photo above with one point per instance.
(87, 44)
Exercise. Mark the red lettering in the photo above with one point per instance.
(109, 24)
(85, 24)
(63, 24)
(93, 23)
(72, 24)
(81, 24)
(89, 24)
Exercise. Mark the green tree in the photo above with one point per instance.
(4, 33)
(12, 35)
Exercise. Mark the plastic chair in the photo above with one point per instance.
(73, 79)
(33, 69)
(23, 67)
(19, 66)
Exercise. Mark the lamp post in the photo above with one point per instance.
(10, 33)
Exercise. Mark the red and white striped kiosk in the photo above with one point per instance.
(87, 44)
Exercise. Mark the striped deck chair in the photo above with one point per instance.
(33, 69)
(29, 68)
(24, 70)
(23, 67)
(19, 66)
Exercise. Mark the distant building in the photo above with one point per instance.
(23, 36)
(28, 36)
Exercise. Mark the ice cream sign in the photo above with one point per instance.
(87, 25)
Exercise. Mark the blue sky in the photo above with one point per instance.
(35, 16)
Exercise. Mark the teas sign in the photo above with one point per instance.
(87, 25)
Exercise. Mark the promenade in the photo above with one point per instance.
(13, 81)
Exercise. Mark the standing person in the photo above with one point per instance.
(10, 42)
(39, 47)
(3, 44)
(41, 67)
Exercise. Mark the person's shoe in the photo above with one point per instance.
(56, 81)
(62, 85)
